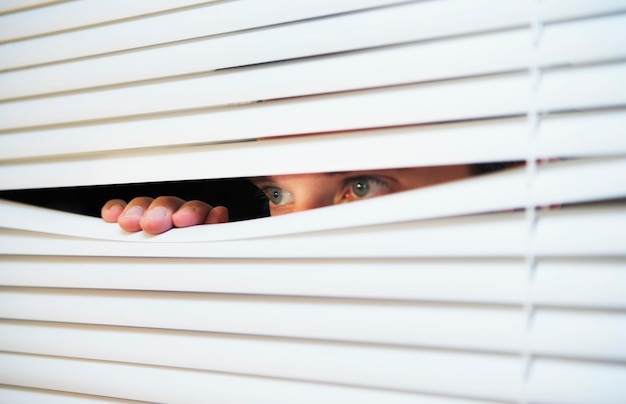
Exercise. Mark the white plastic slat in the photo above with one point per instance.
(551, 10)
(367, 69)
(581, 283)
(403, 23)
(496, 329)
(21, 395)
(599, 335)
(492, 97)
(596, 40)
(579, 181)
(590, 87)
(72, 15)
(158, 384)
(582, 134)
(18, 5)
(558, 381)
(501, 235)
(599, 231)
(215, 19)
(390, 368)
(402, 279)
(502, 137)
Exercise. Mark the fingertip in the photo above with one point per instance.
(218, 214)
(157, 220)
(130, 219)
(191, 213)
(112, 210)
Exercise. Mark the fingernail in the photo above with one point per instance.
(187, 209)
(157, 213)
(135, 211)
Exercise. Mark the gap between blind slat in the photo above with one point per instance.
(412, 205)
(393, 368)
(165, 384)
(557, 183)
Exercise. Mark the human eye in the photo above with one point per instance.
(278, 196)
(364, 187)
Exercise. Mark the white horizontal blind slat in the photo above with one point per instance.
(369, 69)
(599, 335)
(351, 151)
(502, 138)
(557, 233)
(398, 368)
(571, 9)
(496, 329)
(165, 384)
(445, 302)
(500, 235)
(582, 134)
(7, 6)
(588, 283)
(214, 19)
(68, 16)
(21, 395)
(588, 381)
(388, 279)
(591, 87)
(403, 23)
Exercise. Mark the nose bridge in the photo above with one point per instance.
(307, 203)
(312, 197)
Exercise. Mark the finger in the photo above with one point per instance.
(218, 214)
(158, 217)
(132, 214)
(191, 213)
(112, 210)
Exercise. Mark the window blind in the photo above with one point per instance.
(464, 292)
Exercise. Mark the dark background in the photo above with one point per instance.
(243, 199)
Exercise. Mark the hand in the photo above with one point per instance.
(158, 215)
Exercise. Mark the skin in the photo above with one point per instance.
(287, 194)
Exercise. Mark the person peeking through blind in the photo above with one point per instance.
(285, 194)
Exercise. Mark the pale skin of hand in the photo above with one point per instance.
(155, 216)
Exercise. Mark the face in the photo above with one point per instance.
(294, 193)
